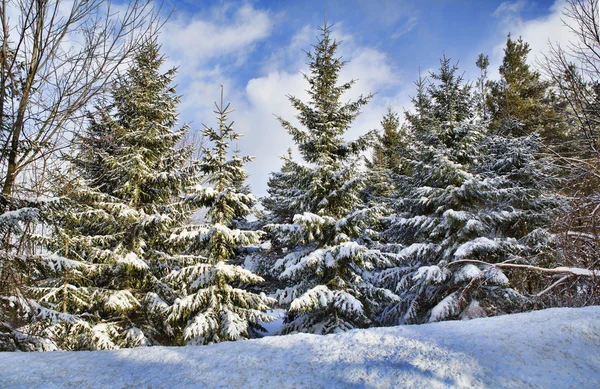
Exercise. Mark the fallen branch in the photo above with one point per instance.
(568, 271)
(573, 271)
(560, 281)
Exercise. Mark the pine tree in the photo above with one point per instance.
(321, 255)
(388, 159)
(111, 244)
(440, 213)
(476, 200)
(285, 190)
(521, 96)
(212, 306)
(445, 140)
(384, 152)
(481, 95)
(420, 120)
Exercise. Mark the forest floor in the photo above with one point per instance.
(553, 348)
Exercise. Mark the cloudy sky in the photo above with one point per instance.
(255, 49)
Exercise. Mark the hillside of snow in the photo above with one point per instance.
(554, 348)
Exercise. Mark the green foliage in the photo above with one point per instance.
(522, 96)
(111, 241)
(285, 191)
(483, 61)
(388, 158)
(320, 255)
(212, 306)
(475, 200)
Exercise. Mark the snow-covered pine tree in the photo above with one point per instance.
(21, 266)
(212, 306)
(111, 243)
(388, 160)
(285, 190)
(463, 213)
(525, 202)
(321, 255)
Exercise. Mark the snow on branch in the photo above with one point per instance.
(568, 272)
(573, 271)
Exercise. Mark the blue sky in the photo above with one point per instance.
(255, 49)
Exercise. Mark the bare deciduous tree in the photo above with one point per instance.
(575, 71)
(55, 57)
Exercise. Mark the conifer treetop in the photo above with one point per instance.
(450, 95)
(226, 176)
(325, 117)
(521, 102)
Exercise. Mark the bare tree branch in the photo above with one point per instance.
(55, 58)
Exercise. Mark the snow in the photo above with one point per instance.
(319, 296)
(312, 219)
(416, 248)
(121, 300)
(155, 303)
(102, 334)
(133, 260)
(579, 272)
(200, 325)
(456, 215)
(481, 243)
(26, 213)
(467, 273)
(59, 263)
(431, 274)
(347, 302)
(313, 259)
(445, 308)
(349, 249)
(554, 348)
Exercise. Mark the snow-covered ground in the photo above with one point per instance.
(555, 348)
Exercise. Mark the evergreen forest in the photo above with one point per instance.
(121, 227)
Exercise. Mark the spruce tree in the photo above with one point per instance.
(388, 159)
(384, 152)
(522, 97)
(112, 242)
(481, 94)
(476, 200)
(445, 138)
(321, 256)
(285, 190)
(212, 306)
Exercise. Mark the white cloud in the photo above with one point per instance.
(291, 56)
(407, 27)
(205, 48)
(373, 71)
(193, 41)
(509, 7)
(264, 137)
(538, 33)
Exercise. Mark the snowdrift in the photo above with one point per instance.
(554, 348)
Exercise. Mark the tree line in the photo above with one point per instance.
(483, 201)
